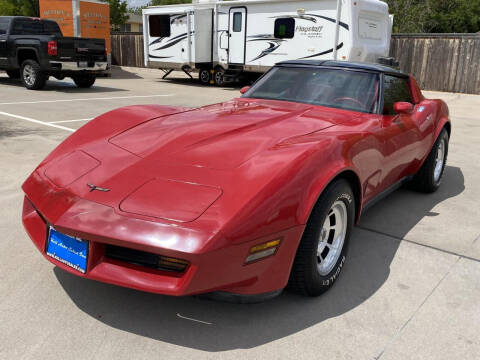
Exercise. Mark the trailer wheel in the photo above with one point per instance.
(218, 77)
(204, 76)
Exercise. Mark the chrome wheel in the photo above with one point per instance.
(439, 161)
(332, 238)
(29, 75)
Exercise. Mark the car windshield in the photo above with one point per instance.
(337, 88)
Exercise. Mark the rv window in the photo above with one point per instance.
(284, 28)
(159, 25)
(237, 22)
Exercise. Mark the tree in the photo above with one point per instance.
(438, 16)
(7, 8)
(410, 16)
(448, 16)
(136, 10)
(19, 8)
(118, 13)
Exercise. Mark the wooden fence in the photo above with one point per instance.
(127, 49)
(441, 62)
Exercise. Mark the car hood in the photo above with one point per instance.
(223, 136)
(174, 168)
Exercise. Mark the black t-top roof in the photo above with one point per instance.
(343, 64)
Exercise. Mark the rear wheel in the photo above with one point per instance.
(204, 76)
(322, 251)
(218, 77)
(32, 77)
(13, 74)
(84, 81)
(430, 176)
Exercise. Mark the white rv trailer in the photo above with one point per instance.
(233, 37)
(179, 37)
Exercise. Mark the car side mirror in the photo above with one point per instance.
(403, 107)
(244, 89)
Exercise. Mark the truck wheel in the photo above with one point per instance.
(13, 74)
(32, 77)
(84, 81)
(429, 177)
(204, 76)
(322, 251)
(218, 77)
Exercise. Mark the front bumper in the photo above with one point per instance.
(75, 66)
(221, 270)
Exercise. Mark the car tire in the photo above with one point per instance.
(429, 177)
(13, 74)
(218, 77)
(84, 82)
(323, 248)
(204, 76)
(32, 76)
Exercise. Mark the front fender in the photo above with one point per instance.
(112, 123)
(319, 184)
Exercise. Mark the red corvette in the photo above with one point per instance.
(242, 198)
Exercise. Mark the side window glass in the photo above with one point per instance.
(17, 28)
(396, 89)
(26, 27)
(4, 25)
(51, 27)
(237, 22)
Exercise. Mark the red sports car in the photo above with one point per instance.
(242, 198)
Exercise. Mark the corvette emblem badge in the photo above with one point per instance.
(95, 187)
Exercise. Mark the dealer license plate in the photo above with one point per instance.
(68, 250)
(83, 64)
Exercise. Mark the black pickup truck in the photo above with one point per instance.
(34, 49)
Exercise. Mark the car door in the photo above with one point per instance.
(237, 33)
(402, 137)
(4, 24)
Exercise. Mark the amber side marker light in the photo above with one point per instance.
(262, 251)
(168, 263)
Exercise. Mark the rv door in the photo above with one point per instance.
(237, 31)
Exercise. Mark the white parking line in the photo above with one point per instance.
(66, 121)
(36, 121)
(84, 99)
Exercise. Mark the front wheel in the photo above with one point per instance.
(430, 176)
(322, 251)
(32, 76)
(84, 81)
